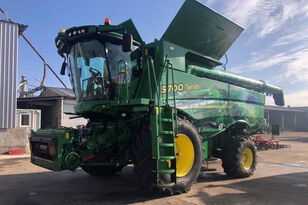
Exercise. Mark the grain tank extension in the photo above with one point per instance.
(163, 106)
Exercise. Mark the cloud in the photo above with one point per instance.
(297, 69)
(260, 62)
(292, 64)
(298, 98)
(298, 36)
(265, 16)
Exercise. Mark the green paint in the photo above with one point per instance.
(125, 93)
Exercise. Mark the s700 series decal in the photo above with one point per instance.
(179, 87)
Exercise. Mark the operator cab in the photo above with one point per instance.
(97, 68)
(100, 59)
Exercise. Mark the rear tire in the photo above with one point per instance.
(143, 162)
(101, 170)
(239, 157)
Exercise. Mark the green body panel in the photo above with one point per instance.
(59, 138)
(210, 34)
(175, 77)
(206, 100)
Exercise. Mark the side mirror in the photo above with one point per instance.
(127, 43)
(63, 68)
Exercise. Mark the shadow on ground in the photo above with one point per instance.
(80, 188)
(71, 188)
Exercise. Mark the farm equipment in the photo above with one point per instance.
(163, 106)
(265, 144)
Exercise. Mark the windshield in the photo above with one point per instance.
(97, 69)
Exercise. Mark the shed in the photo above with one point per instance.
(55, 104)
(288, 118)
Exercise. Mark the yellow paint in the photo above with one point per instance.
(157, 110)
(67, 135)
(178, 87)
(62, 31)
(247, 158)
(169, 163)
(185, 155)
(205, 106)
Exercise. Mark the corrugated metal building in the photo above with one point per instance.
(288, 118)
(9, 33)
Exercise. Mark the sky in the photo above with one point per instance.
(273, 47)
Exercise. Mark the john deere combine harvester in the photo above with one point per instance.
(162, 106)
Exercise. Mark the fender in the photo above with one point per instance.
(219, 139)
(240, 127)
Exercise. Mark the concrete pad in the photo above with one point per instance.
(281, 178)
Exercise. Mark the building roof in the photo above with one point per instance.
(305, 108)
(57, 92)
(285, 109)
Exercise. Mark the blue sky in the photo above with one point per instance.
(273, 47)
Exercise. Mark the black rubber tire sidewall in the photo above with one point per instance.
(232, 154)
(184, 183)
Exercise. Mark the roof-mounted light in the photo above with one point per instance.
(62, 31)
(107, 21)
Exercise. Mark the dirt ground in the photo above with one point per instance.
(281, 178)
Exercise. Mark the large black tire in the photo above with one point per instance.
(232, 157)
(101, 170)
(144, 163)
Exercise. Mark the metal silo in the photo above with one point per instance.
(8, 73)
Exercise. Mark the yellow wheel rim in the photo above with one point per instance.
(247, 158)
(185, 155)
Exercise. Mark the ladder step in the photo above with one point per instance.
(166, 132)
(165, 184)
(167, 157)
(166, 171)
(166, 144)
(166, 120)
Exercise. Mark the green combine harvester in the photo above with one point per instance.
(163, 107)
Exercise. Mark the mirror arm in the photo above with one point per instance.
(63, 68)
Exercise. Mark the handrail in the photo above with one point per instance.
(149, 79)
(174, 102)
(125, 77)
(150, 64)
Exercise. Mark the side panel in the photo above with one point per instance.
(209, 102)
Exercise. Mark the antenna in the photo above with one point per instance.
(109, 16)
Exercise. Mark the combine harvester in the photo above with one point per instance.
(163, 107)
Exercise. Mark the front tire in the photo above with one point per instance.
(239, 157)
(188, 167)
